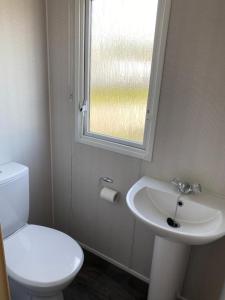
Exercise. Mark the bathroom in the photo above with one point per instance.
(39, 90)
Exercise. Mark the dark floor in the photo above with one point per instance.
(100, 280)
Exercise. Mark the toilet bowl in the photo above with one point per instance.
(43, 260)
(40, 261)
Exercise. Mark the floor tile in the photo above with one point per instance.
(100, 280)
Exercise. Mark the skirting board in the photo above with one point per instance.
(179, 297)
(116, 263)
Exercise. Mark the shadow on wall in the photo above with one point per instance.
(207, 270)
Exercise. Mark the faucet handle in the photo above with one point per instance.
(196, 188)
(175, 181)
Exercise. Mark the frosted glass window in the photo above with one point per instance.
(120, 53)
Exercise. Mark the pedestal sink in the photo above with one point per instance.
(178, 222)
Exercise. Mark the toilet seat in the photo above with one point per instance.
(38, 256)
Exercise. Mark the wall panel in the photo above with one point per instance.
(24, 105)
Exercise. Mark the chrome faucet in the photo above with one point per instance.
(185, 187)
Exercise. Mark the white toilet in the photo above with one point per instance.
(40, 261)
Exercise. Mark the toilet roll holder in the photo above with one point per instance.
(107, 193)
(106, 179)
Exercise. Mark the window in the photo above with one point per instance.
(120, 62)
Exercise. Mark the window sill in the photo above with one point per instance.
(114, 147)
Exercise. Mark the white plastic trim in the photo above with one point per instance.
(115, 263)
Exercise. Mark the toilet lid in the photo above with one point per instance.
(42, 257)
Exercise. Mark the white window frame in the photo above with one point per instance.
(80, 24)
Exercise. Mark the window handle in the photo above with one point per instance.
(83, 106)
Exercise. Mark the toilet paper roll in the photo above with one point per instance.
(108, 194)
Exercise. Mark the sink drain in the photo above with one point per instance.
(172, 223)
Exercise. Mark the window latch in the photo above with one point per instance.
(83, 106)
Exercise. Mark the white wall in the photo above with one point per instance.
(24, 120)
(190, 139)
(190, 143)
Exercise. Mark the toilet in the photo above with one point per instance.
(40, 261)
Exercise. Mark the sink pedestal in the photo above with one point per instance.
(168, 269)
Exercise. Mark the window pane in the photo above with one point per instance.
(122, 36)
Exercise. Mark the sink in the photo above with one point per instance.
(178, 221)
(201, 217)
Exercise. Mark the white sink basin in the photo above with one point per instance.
(201, 218)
